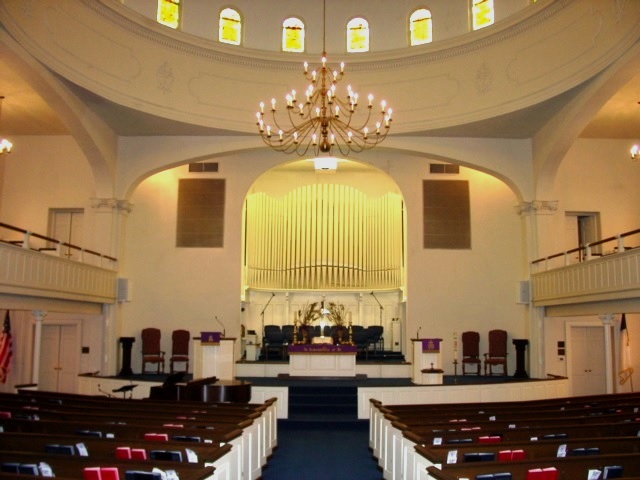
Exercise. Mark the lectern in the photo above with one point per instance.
(214, 356)
(427, 362)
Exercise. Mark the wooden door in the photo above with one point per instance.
(59, 358)
(587, 370)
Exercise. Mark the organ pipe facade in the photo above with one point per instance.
(324, 237)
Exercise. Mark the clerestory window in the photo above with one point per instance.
(420, 27)
(293, 35)
(230, 27)
(169, 13)
(357, 35)
(482, 13)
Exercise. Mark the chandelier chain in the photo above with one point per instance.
(324, 121)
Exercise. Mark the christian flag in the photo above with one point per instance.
(6, 348)
(626, 370)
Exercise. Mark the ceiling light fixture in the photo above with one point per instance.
(321, 120)
(635, 152)
(5, 145)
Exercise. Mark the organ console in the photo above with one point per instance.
(207, 390)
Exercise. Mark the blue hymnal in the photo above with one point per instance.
(612, 471)
(139, 475)
(172, 455)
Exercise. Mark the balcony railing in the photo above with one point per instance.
(39, 266)
(606, 270)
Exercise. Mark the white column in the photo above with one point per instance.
(38, 315)
(607, 322)
(535, 216)
(111, 215)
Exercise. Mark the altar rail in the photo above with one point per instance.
(606, 270)
(30, 266)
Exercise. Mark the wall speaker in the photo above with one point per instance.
(524, 292)
(124, 290)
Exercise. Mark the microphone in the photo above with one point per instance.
(418, 333)
(222, 324)
(371, 293)
(273, 294)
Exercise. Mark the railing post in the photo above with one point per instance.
(25, 240)
(59, 248)
(566, 258)
(620, 243)
(588, 250)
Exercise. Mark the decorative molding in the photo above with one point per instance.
(107, 205)
(392, 59)
(537, 207)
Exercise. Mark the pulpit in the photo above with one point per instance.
(427, 362)
(214, 356)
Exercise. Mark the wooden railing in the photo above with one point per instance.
(35, 241)
(584, 253)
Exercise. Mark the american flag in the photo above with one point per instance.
(626, 370)
(6, 349)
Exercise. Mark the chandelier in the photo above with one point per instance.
(320, 120)
(5, 145)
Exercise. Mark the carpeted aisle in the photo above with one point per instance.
(322, 451)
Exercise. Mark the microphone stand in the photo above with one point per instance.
(262, 315)
(381, 307)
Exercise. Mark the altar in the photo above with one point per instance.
(322, 360)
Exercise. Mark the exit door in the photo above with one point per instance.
(587, 373)
(59, 358)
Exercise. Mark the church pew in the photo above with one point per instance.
(63, 465)
(222, 411)
(443, 455)
(395, 448)
(259, 436)
(245, 455)
(405, 445)
(396, 441)
(569, 468)
(251, 442)
(438, 454)
(564, 403)
(106, 448)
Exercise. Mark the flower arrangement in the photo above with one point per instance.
(309, 314)
(338, 314)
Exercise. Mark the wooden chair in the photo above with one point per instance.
(179, 349)
(497, 352)
(471, 352)
(151, 352)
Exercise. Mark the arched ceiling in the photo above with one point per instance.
(25, 112)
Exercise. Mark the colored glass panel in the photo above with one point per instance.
(293, 35)
(420, 27)
(169, 13)
(358, 35)
(482, 13)
(230, 26)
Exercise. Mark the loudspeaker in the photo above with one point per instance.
(124, 290)
(524, 292)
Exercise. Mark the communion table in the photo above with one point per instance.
(322, 360)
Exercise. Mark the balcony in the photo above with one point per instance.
(37, 266)
(607, 270)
